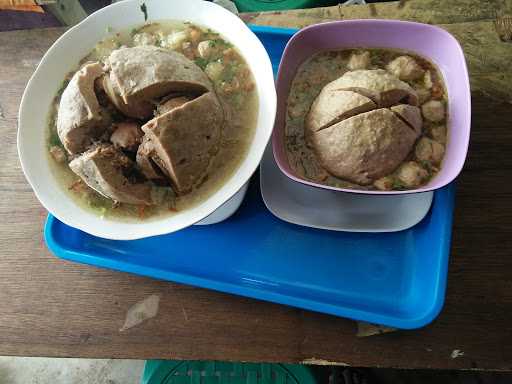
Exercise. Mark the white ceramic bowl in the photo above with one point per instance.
(63, 57)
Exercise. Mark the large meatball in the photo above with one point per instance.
(352, 132)
(364, 147)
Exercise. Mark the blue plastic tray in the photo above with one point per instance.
(396, 279)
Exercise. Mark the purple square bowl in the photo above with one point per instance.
(428, 41)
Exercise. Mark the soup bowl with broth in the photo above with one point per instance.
(71, 148)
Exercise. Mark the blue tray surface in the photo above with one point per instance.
(396, 279)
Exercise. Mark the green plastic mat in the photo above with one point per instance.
(272, 5)
(213, 372)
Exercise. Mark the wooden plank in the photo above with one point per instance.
(53, 308)
(425, 11)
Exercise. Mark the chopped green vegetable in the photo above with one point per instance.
(427, 165)
(54, 140)
(397, 184)
(229, 73)
(109, 29)
(219, 42)
(200, 62)
(144, 10)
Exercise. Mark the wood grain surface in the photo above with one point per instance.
(49, 307)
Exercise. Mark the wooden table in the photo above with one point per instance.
(49, 307)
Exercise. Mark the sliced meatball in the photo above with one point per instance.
(108, 171)
(411, 174)
(138, 109)
(359, 60)
(126, 135)
(405, 68)
(433, 110)
(429, 150)
(410, 114)
(140, 75)
(333, 105)
(182, 141)
(172, 103)
(382, 87)
(438, 133)
(365, 147)
(81, 119)
(147, 165)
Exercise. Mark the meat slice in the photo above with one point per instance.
(80, 118)
(182, 141)
(142, 74)
(410, 114)
(108, 171)
(334, 105)
(382, 87)
(364, 147)
(127, 135)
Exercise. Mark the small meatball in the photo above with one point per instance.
(359, 60)
(144, 38)
(127, 135)
(384, 183)
(427, 80)
(438, 133)
(405, 68)
(214, 70)
(423, 95)
(411, 174)
(429, 150)
(58, 154)
(433, 110)
(206, 49)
